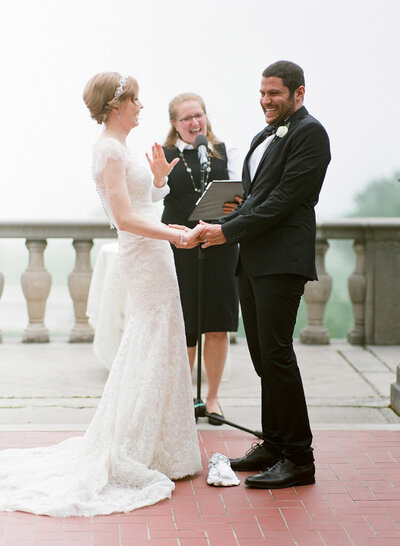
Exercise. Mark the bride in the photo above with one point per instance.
(143, 434)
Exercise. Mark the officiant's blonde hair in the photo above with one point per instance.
(173, 135)
(99, 94)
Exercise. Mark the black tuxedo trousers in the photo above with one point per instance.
(269, 306)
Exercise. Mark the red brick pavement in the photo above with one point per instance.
(356, 501)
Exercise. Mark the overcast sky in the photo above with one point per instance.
(217, 48)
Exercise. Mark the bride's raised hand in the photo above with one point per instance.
(159, 165)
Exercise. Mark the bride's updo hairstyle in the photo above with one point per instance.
(101, 91)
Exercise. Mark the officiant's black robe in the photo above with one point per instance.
(220, 299)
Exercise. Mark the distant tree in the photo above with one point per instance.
(379, 198)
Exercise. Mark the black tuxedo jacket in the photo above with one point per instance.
(275, 224)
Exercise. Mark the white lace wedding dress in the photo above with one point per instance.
(143, 434)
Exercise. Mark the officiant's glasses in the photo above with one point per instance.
(188, 119)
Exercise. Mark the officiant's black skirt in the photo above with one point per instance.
(220, 291)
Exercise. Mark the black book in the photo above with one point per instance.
(217, 192)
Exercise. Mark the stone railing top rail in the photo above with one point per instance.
(360, 228)
(59, 229)
(343, 228)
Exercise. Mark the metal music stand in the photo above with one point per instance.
(199, 406)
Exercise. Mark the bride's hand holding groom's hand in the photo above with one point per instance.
(204, 234)
(191, 237)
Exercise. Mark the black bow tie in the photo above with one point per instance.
(269, 130)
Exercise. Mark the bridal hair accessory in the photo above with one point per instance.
(220, 472)
(120, 89)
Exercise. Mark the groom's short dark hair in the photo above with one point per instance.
(291, 74)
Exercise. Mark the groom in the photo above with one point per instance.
(275, 226)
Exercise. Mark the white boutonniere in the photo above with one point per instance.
(281, 131)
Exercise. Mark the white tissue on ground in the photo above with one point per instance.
(220, 472)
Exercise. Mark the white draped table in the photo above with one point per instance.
(107, 304)
(108, 307)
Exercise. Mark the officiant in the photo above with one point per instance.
(188, 118)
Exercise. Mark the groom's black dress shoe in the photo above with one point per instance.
(283, 474)
(256, 458)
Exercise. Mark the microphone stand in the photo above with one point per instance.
(199, 406)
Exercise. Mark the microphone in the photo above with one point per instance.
(201, 144)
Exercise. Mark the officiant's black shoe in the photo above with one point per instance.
(283, 474)
(215, 422)
(257, 458)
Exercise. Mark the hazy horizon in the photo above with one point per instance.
(217, 49)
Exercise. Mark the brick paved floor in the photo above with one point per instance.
(356, 501)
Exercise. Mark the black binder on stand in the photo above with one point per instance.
(209, 205)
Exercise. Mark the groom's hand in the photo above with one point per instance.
(212, 235)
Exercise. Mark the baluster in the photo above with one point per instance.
(79, 283)
(1, 292)
(316, 296)
(36, 283)
(357, 285)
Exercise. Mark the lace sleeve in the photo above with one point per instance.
(105, 149)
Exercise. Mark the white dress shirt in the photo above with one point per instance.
(255, 158)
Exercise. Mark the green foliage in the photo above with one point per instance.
(379, 198)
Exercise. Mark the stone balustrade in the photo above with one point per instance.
(36, 280)
(374, 284)
(374, 287)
